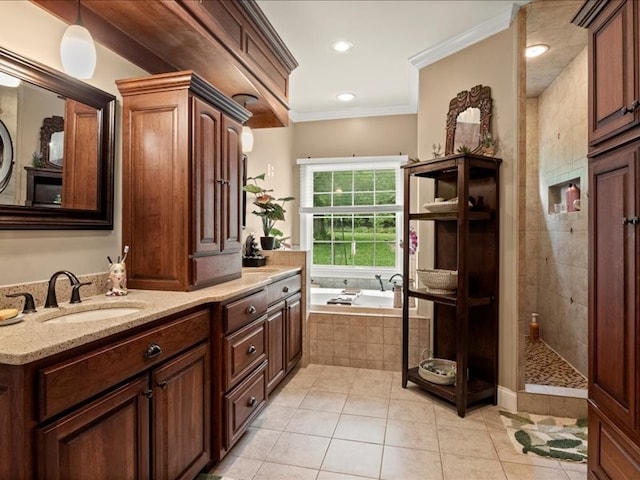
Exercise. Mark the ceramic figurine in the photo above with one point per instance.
(118, 276)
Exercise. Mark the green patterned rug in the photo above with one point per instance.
(211, 476)
(560, 438)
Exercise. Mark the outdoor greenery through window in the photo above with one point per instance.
(351, 213)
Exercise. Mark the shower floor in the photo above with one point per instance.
(543, 366)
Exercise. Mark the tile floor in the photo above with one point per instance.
(344, 423)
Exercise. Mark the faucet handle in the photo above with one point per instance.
(75, 292)
(29, 305)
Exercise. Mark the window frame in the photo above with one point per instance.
(308, 166)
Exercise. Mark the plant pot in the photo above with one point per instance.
(268, 243)
(254, 261)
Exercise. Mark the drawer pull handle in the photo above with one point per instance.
(251, 310)
(252, 402)
(285, 289)
(153, 350)
(148, 393)
(252, 350)
(162, 385)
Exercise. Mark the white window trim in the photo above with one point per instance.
(309, 165)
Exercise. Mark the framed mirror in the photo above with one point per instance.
(63, 149)
(468, 119)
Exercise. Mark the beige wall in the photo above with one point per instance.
(33, 255)
(493, 62)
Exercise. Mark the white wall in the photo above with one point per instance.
(33, 255)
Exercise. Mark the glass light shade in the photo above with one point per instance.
(8, 80)
(247, 139)
(78, 52)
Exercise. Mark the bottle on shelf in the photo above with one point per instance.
(534, 328)
(573, 194)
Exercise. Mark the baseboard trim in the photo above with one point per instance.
(507, 399)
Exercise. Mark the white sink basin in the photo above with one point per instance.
(91, 315)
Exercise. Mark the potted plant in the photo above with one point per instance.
(488, 144)
(270, 210)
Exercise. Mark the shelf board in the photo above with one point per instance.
(451, 300)
(477, 389)
(448, 217)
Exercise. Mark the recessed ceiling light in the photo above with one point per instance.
(535, 50)
(346, 96)
(341, 46)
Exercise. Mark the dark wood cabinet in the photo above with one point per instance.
(614, 243)
(182, 182)
(293, 318)
(465, 322)
(44, 187)
(276, 368)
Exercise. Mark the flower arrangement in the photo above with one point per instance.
(413, 240)
(270, 209)
(488, 144)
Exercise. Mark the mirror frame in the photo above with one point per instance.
(478, 97)
(50, 125)
(18, 217)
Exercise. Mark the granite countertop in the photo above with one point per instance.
(35, 338)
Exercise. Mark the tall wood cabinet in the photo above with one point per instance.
(182, 182)
(465, 323)
(614, 211)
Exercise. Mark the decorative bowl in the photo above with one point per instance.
(439, 281)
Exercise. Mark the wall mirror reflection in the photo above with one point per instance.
(61, 130)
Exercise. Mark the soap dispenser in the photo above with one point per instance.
(534, 328)
(397, 295)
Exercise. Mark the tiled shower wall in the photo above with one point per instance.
(556, 243)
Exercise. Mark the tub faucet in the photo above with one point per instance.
(52, 301)
(396, 275)
(379, 278)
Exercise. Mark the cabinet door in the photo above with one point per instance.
(613, 71)
(612, 285)
(275, 346)
(107, 439)
(207, 180)
(231, 193)
(293, 331)
(181, 415)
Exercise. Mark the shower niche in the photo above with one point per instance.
(565, 197)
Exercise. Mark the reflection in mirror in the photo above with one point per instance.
(6, 157)
(468, 119)
(62, 151)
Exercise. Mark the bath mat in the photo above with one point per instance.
(546, 436)
(211, 476)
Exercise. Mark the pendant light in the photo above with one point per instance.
(245, 99)
(77, 50)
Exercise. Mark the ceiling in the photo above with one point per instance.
(393, 39)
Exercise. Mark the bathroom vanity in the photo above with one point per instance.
(162, 393)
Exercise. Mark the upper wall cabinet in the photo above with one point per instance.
(231, 44)
(56, 149)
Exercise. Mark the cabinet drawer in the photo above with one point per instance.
(244, 311)
(283, 288)
(244, 403)
(73, 380)
(243, 350)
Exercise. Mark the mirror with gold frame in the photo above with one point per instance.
(63, 149)
(468, 119)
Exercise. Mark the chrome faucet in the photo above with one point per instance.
(396, 275)
(379, 278)
(52, 301)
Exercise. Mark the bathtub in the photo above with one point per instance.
(369, 301)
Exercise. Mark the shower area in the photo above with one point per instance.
(554, 213)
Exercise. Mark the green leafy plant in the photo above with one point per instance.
(463, 149)
(270, 209)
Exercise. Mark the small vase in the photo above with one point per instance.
(268, 243)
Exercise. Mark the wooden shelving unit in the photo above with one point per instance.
(465, 323)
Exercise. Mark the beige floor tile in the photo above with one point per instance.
(340, 476)
(256, 443)
(466, 441)
(421, 436)
(299, 450)
(333, 383)
(365, 405)
(370, 374)
(274, 417)
(344, 372)
(372, 387)
(302, 380)
(272, 471)
(361, 429)
(457, 467)
(573, 475)
(415, 411)
(353, 458)
(408, 464)
(446, 415)
(518, 471)
(288, 396)
(412, 392)
(574, 467)
(311, 422)
(324, 401)
(237, 468)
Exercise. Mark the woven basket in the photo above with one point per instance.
(439, 281)
(437, 370)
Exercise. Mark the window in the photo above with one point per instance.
(351, 214)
